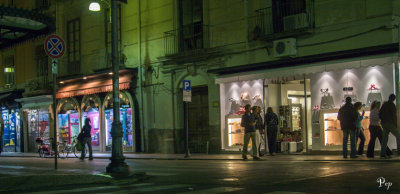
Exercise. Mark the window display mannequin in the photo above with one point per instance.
(374, 96)
(235, 106)
(326, 99)
(257, 101)
(245, 98)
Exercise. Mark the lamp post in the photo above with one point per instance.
(117, 165)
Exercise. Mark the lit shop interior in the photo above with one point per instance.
(125, 118)
(326, 89)
(90, 109)
(68, 120)
(286, 97)
(38, 127)
(12, 130)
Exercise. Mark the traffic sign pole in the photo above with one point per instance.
(187, 94)
(54, 46)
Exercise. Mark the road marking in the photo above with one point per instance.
(12, 167)
(216, 190)
(93, 188)
(284, 192)
(160, 174)
(158, 188)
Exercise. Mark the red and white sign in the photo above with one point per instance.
(54, 46)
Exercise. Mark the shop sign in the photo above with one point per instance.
(187, 91)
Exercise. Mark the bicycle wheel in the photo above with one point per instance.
(41, 153)
(75, 151)
(61, 151)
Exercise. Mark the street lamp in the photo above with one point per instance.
(117, 166)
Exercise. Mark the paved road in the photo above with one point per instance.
(179, 176)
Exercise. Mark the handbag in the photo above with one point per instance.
(79, 146)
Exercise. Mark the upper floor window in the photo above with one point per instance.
(74, 45)
(191, 24)
(41, 59)
(42, 4)
(289, 15)
(9, 72)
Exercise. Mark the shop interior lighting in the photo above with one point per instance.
(84, 77)
(110, 73)
(61, 82)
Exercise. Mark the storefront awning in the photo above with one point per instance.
(99, 83)
(18, 25)
(37, 102)
(298, 72)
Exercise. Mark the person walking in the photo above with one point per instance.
(388, 117)
(348, 116)
(259, 127)
(1, 133)
(249, 122)
(360, 130)
(86, 139)
(375, 129)
(271, 122)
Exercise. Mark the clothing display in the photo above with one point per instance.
(235, 106)
(245, 98)
(326, 99)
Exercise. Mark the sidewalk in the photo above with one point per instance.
(279, 157)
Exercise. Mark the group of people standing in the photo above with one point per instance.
(253, 124)
(383, 120)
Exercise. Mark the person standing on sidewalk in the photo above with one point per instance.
(86, 139)
(259, 127)
(348, 116)
(271, 121)
(1, 133)
(375, 129)
(360, 130)
(388, 117)
(249, 122)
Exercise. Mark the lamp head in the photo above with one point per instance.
(94, 6)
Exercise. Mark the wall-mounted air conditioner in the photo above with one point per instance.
(294, 22)
(285, 47)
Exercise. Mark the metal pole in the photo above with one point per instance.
(117, 165)
(186, 126)
(54, 65)
(305, 113)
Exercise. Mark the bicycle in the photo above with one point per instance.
(44, 149)
(71, 148)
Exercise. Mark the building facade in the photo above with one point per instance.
(300, 57)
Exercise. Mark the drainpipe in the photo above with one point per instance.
(397, 74)
(140, 72)
(246, 20)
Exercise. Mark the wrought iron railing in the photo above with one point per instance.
(190, 38)
(281, 18)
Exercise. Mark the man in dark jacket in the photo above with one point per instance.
(86, 139)
(348, 117)
(249, 122)
(388, 117)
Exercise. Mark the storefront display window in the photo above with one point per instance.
(93, 115)
(12, 135)
(68, 125)
(126, 120)
(38, 127)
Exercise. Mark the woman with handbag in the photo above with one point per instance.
(86, 139)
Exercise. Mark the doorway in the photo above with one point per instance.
(199, 132)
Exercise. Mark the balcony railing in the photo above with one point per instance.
(190, 38)
(279, 20)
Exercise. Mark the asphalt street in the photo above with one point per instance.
(213, 176)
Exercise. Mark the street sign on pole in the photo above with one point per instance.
(187, 91)
(187, 97)
(54, 46)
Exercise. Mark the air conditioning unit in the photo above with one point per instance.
(294, 22)
(285, 47)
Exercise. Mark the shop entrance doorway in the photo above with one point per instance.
(199, 132)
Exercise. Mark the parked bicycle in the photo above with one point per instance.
(66, 149)
(45, 148)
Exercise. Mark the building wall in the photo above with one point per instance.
(339, 25)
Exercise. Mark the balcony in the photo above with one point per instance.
(280, 21)
(191, 43)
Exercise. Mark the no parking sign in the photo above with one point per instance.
(54, 46)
